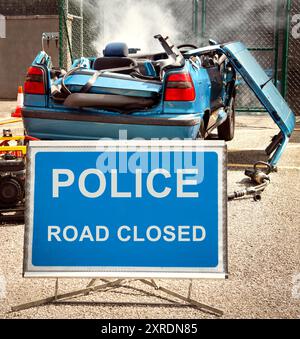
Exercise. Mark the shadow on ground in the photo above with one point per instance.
(236, 159)
(295, 139)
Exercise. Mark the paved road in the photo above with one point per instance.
(264, 252)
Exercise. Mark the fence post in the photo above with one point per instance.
(203, 21)
(196, 17)
(286, 47)
(81, 29)
(61, 27)
(277, 35)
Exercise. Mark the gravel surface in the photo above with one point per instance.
(264, 254)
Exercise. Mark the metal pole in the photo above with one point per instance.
(286, 48)
(203, 23)
(67, 6)
(277, 28)
(196, 17)
(59, 297)
(81, 28)
(198, 305)
(61, 38)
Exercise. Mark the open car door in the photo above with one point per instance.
(264, 89)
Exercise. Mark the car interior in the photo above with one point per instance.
(117, 62)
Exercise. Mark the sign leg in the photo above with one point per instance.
(115, 284)
(91, 284)
(64, 296)
(194, 303)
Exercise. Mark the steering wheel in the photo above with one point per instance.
(186, 47)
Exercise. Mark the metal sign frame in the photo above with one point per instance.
(219, 147)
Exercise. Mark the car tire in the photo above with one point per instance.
(227, 129)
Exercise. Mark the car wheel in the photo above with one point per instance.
(227, 129)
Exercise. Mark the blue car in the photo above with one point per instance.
(183, 92)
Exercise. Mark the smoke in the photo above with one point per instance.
(137, 21)
(131, 21)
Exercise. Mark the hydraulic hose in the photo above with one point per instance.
(254, 192)
(259, 177)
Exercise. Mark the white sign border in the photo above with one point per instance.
(221, 272)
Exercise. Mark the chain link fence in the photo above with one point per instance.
(253, 23)
(87, 25)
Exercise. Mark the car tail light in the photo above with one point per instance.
(180, 87)
(35, 81)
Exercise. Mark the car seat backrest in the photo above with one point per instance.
(115, 56)
(102, 64)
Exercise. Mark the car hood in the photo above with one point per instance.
(261, 84)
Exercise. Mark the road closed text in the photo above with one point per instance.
(127, 234)
(185, 183)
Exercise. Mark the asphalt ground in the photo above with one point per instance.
(264, 251)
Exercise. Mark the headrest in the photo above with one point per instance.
(116, 49)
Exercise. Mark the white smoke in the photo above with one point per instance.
(137, 21)
(131, 21)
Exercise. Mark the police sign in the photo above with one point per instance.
(126, 209)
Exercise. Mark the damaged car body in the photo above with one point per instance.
(184, 92)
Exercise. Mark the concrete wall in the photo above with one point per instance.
(22, 44)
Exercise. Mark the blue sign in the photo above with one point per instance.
(133, 210)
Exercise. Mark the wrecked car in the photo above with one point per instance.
(184, 92)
